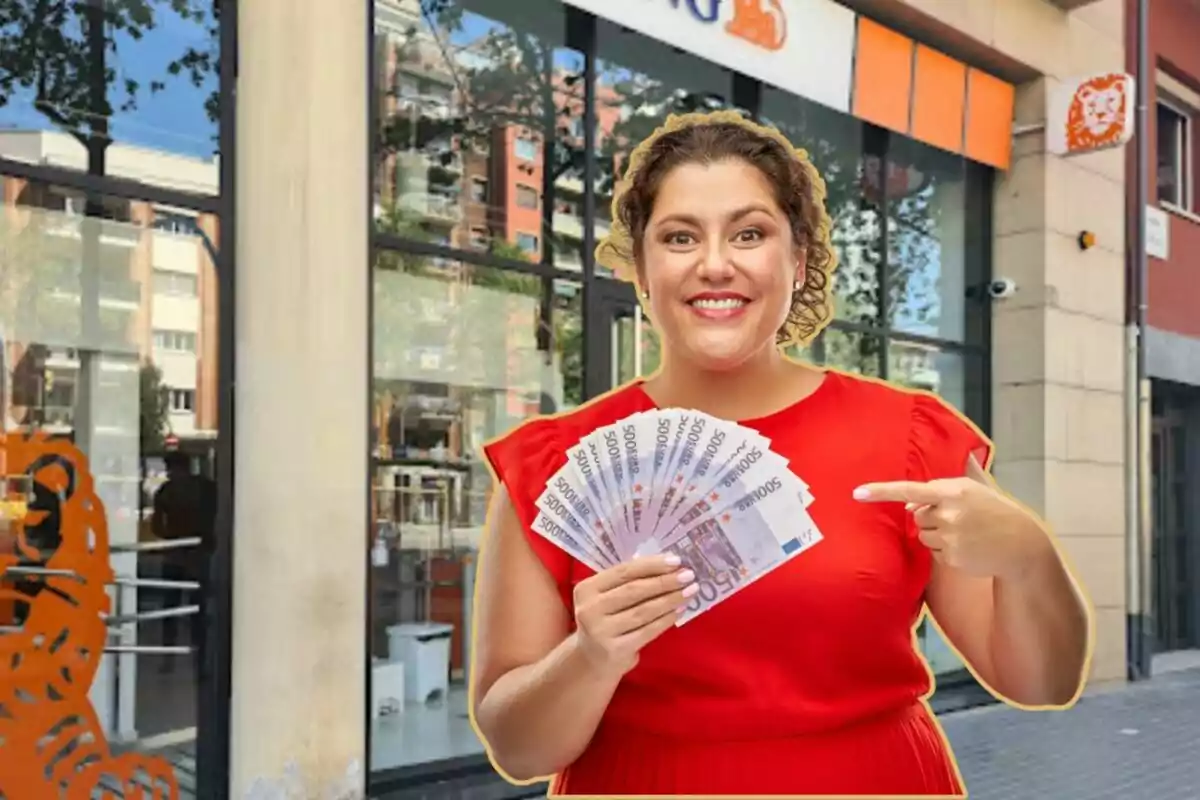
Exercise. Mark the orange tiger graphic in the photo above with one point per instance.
(52, 746)
(1096, 117)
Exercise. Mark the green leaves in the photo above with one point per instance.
(154, 412)
(67, 55)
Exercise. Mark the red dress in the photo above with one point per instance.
(808, 681)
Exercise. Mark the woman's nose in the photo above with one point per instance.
(716, 264)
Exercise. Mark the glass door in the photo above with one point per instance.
(622, 344)
(1171, 548)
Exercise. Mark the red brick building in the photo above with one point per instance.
(1173, 338)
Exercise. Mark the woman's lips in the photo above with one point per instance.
(720, 307)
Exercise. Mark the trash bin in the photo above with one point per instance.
(424, 649)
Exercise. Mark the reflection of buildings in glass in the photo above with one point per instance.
(155, 284)
(454, 361)
(86, 300)
(458, 164)
(915, 366)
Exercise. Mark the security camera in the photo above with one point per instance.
(1001, 288)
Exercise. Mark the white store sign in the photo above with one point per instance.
(1158, 233)
(801, 46)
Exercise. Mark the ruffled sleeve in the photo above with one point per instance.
(524, 459)
(941, 440)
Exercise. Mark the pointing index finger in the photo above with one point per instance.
(899, 492)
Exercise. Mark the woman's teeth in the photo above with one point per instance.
(723, 303)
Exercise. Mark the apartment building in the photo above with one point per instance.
(157, 293)
(1173, 338)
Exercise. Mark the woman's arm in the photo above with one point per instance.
(1025, 635)
(536, 697)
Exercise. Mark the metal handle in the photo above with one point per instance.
(155, 583)
(42, 571)
(156, 546)
(146, 616)
(120, 580)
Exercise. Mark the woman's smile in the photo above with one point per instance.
(718, 306)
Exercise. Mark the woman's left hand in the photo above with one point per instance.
(968, 525)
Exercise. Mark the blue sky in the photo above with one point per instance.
(173, 119)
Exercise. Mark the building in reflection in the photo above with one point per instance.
(155, 285)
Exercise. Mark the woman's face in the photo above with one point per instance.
(719, 262)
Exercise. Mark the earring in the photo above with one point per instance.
(645, 294)
(797, 286)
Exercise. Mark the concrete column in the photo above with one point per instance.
(1059, 354)
(300, 513)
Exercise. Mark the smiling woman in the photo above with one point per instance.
(707, 193)
(540, 190)
(582, 672)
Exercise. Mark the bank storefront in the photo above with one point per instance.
(499, 130)
(173, 251)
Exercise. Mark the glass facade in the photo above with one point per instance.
(111, 347)
(499, 131)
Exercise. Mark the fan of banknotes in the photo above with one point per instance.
(673, 480)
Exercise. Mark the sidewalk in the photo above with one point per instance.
(1137, 741)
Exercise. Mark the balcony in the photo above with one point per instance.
(435, 207)
(570, 226)
(117, 234)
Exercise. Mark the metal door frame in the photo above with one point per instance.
(609, 300)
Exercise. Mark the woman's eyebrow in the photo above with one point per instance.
(732, 216)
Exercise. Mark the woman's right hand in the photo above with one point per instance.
(620, 610)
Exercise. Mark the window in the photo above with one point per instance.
(182, 400)
(479, 190)
(178, 284)
(170, 222)
(175, 341)
(526, 149)
(527, 197)
(527, 242)
(1174, 154)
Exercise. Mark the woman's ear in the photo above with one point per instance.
(801, 266)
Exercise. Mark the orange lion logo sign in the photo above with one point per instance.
(765, 27)
(52, 745)
(1089, 114)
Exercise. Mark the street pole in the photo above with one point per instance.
(1138, 629)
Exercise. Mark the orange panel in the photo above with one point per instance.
(989, 119)
(939, 100)
(883, 66)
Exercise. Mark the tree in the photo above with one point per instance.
(66, 53)
(154, 411)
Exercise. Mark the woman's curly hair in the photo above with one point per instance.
(706, 138)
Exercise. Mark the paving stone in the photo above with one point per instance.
(1137, 742)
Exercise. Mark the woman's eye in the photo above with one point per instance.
(679, 239)
(748, 235)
